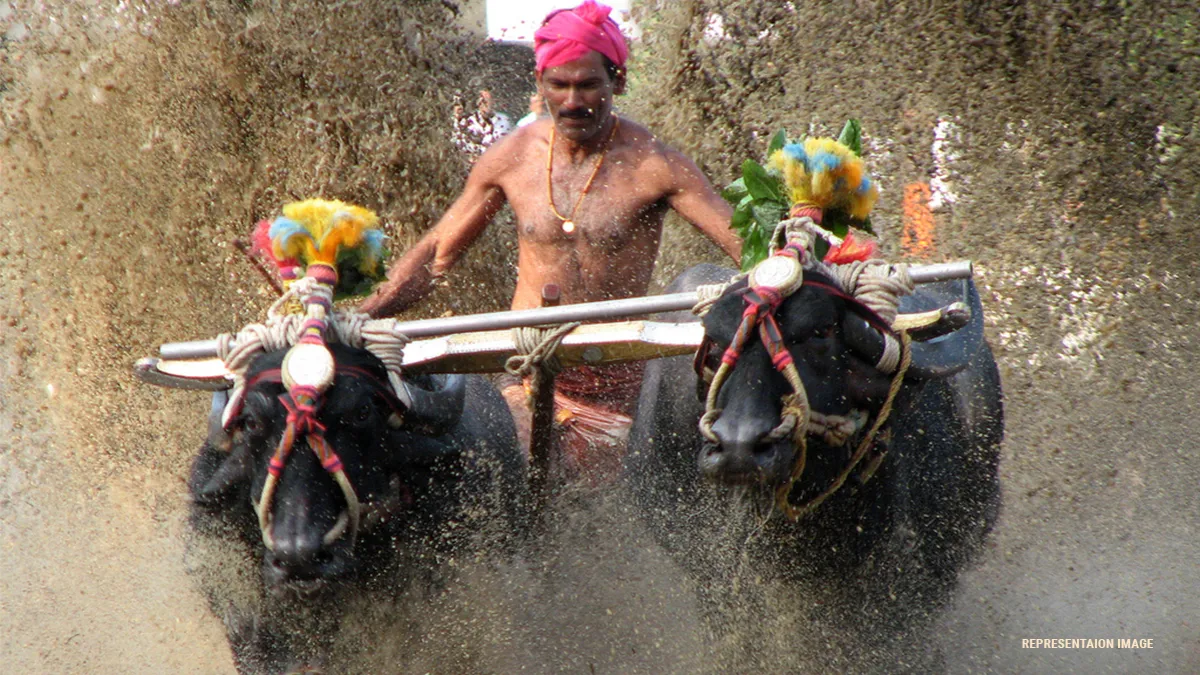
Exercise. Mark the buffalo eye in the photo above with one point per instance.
(253, 425)
(364, 413)
(258, 411)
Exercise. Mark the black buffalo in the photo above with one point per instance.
(434, 477)
(893, 544)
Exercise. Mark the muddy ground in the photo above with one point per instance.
(140, 139)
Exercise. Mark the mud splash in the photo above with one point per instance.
(140, 138)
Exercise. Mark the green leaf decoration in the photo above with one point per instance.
(851, 136)
(820, 248)
(779, 140)
(838, 223)
(760, 201)
(760, 184)
(743, 218)
(754, 249)
(768, 215)
(735, 191)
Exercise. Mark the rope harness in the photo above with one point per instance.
(302, 404)
(769, 284)
(308, 370)
(284, 328)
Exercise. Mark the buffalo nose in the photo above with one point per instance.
(299, 556)
(741, 453)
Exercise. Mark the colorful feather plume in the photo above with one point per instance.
(341, 235)
(824, 173)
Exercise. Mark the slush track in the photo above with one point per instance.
(128, 164)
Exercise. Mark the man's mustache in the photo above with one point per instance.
(575, 114)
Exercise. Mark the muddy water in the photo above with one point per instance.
(140, 139)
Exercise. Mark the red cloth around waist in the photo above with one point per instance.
(593, 410)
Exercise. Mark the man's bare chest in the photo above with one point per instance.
(615, 210)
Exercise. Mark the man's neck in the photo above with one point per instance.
(578, 151)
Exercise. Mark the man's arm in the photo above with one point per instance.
(694, 198)
(412, 277)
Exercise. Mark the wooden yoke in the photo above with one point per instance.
(482, 343)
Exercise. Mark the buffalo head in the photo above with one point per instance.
(314, 520)
(751, 440)
(837, 346)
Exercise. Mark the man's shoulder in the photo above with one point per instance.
(520, 141)
(653, 155)
(649, 146)
(636, 133)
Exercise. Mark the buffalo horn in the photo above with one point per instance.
(863, 338)
(436, 411)
(235, 469)
(217, 436)
(936, 358)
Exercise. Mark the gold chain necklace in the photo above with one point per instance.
(568, 222)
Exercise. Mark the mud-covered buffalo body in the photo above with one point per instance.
(892, 546)
(436, 477)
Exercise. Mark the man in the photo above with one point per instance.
(536, 110)
(475, 132)
(589, 191)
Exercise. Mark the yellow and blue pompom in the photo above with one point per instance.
(824, 173)
(334, 233)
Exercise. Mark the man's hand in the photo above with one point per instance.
(409, 280)
(412, 277)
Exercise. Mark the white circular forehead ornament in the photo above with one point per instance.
(310, 365)
(779, 272)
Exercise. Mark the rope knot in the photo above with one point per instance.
(536, 348)
(301, 405)
(769, 297)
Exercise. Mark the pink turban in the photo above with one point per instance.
(568, 34)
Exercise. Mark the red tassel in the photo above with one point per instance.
(260, 241)
(852, 249)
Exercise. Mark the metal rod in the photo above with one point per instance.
(925, 274)
(473, 323)
(588, 311)
(185, 351)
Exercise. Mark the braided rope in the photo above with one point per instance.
(784, 491)
(889, 360)
(708, 294)
(835, 430)
(536, 348)
(803, 230)
(875, 283)
(282, 330)
(706, 424)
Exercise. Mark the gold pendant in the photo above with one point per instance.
(568, 226)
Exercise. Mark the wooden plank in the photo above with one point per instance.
(483, 352)
(540, 316)
(591, 344)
